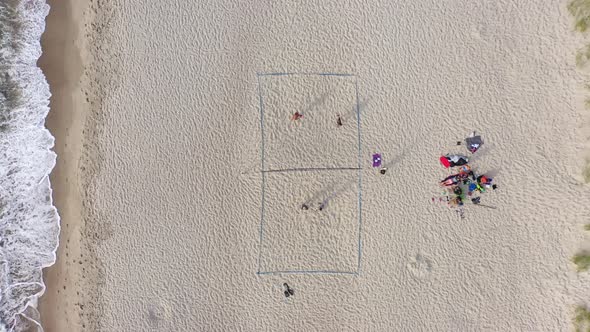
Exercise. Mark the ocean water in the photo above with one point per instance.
(29, 223)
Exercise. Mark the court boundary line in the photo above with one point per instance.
(318, 169)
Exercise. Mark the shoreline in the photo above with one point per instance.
(62, 64)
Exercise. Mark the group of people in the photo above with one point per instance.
(465, 184)
(339, 122)
(321, 206)
(459, 187)
(297, 116)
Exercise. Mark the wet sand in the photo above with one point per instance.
(61, 304)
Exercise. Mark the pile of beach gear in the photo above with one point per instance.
(464, 185)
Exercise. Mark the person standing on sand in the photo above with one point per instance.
(339, 121)
(288, 290)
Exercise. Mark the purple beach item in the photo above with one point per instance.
(376, 160)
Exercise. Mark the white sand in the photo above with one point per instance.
(175, 188)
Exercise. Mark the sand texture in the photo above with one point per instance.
(193, 173)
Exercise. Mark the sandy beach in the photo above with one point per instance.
(181, 174)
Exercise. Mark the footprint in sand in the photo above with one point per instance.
(420, 266)
(158, 314)
(479, 32)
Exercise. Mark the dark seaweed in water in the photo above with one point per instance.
(10, 96)
(11, 28)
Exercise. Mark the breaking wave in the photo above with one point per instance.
(29, 223)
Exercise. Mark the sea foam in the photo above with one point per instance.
(29, 223)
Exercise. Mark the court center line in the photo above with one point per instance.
(306, 272)
(311, 169)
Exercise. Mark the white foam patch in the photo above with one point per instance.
(29, 223)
